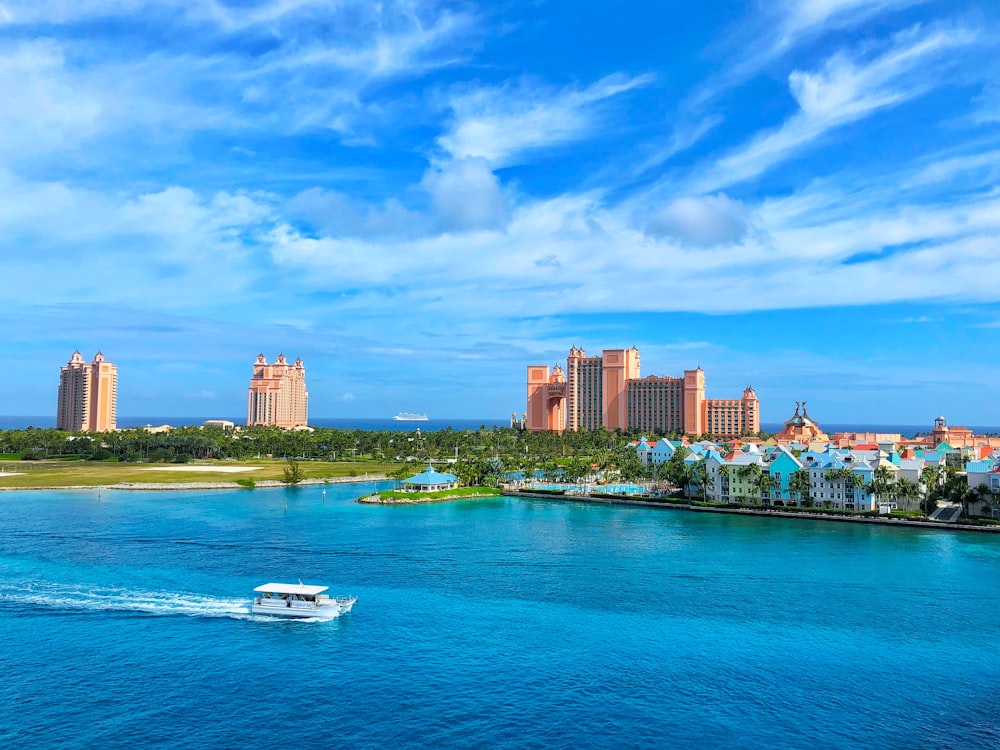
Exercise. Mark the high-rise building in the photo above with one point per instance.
(596, 388)
(278, 393)
(607, 391)
(546, 398)
(88, 395)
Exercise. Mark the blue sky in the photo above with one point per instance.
(422, 198)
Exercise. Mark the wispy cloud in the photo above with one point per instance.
(767, 35)
(501, 124)
(845, 90)
(801, 19)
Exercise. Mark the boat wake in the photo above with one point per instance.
(97, 599)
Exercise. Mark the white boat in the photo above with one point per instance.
(409, 416)
(299, 600)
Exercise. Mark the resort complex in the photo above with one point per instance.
(607, 392)
(278, 393)
(801, 466)
(88, 395)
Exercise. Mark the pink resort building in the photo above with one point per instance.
(88, 395)
(607, 391)
(278, 393)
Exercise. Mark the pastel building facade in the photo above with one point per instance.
(88, 395)
(277, 394)
(730, 478)
(607, 391)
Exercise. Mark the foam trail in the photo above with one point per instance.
(100, 599)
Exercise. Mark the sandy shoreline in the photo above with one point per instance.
(202, 485)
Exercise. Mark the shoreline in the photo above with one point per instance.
(758, 512)
(262, 483)
(375, 499)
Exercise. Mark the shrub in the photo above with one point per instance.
(247, 483)
(293, 473)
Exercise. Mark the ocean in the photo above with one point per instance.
(498, 623)
(376, 423)
(339, 423)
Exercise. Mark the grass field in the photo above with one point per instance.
(39, 474)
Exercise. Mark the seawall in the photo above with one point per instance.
(757, 512)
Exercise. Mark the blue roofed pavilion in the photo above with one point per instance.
(431, 480)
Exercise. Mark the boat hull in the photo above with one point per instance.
(325, 612)
(326, 609)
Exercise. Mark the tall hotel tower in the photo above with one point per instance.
(88, 395)
(278, 393)
(606, 391)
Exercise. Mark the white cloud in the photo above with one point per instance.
(466, 195)
(336, 214)
(701, 220)
(501, 124)
(87, 245)
(43, 107)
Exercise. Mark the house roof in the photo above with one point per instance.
(431, 476)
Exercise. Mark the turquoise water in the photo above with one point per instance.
(621, 489)
(495, 623)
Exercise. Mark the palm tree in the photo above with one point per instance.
(883, 484)
(906, 491)
(800, 484)
(930, 477)
(981, 493)
(697, 476)
(758, 479)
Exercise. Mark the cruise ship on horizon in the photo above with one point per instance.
(409, 416)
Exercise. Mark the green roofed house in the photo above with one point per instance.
(430, 480)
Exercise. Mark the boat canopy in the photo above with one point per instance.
(291, 588)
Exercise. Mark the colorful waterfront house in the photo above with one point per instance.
(781, 465)
(911, 468)
(994, 480)
(644, 451)
(734, 483)
(718, 480)
(978, 472)
(430, 480)
(663, 451)
(933, 458)
(840, 493)
(690, 460)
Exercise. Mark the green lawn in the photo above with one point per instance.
(456, 494)
(37, 474)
